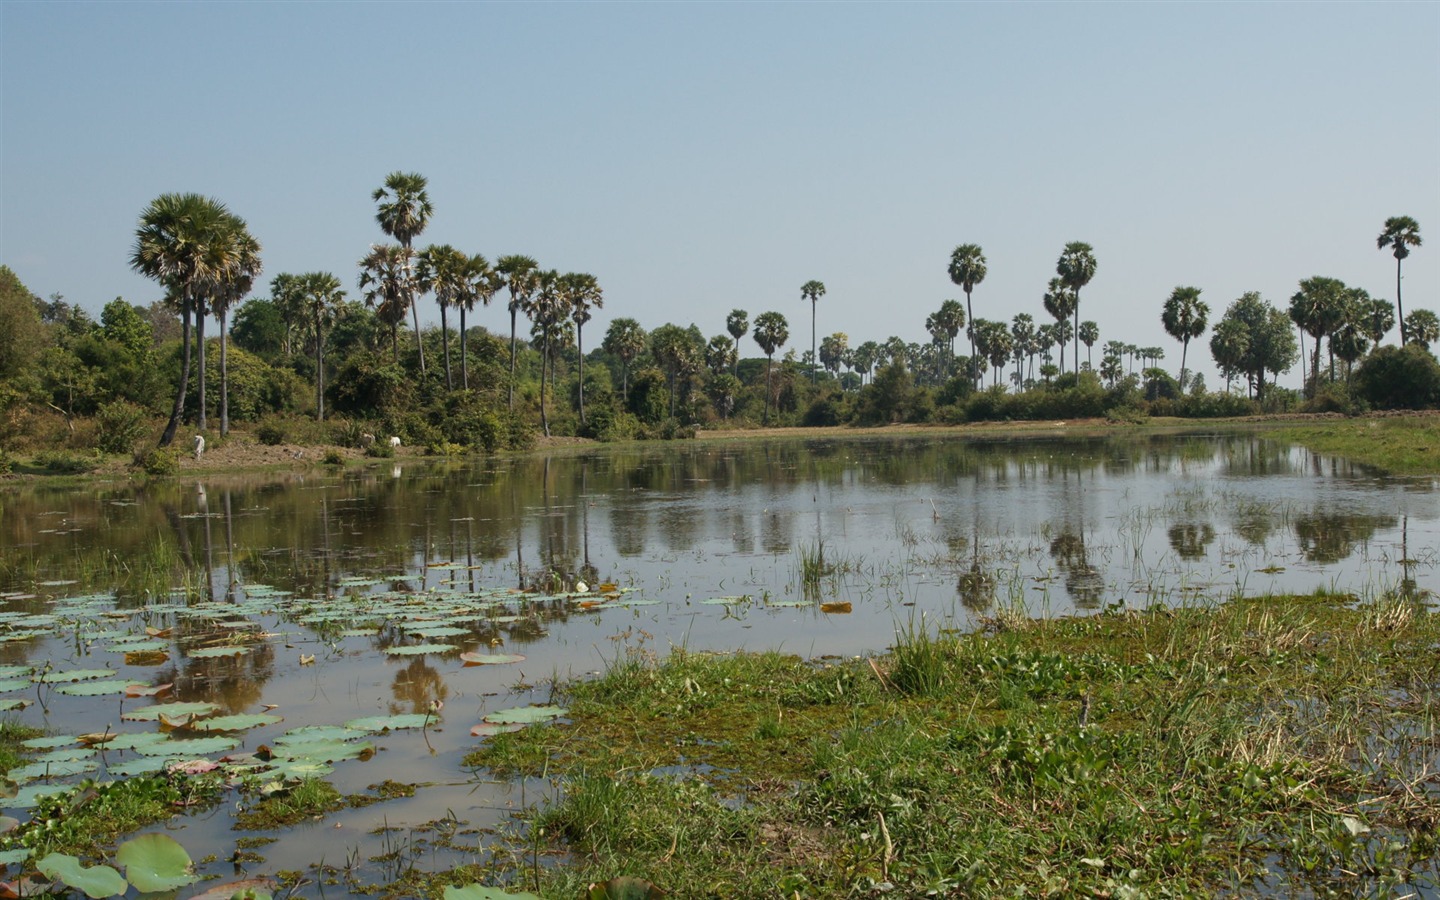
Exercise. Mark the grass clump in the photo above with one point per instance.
(1401, 444)
(1282, 744)
(310, 799)
(90, 817)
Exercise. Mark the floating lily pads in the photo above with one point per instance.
(144, 765)
(61, 769)
(490, 729)
(147, 690)
(131, 741)
(92, 688)
(9, 857)
(218, 652)
(325, 751)
(189, 748)
(49, 742)
(236, 723)
(313, 733)
(420, 649)
(95, 881)
(76, 675)
(15, 671)
(525, 715)
(14, 703)
(155, 862)
(65, 754)
(15, 684)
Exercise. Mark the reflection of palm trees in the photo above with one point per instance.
(420, 686)
(235, 683)
(1330, 538)
(1190, 539)
(1083, 582)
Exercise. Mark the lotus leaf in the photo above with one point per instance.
(60, 769)
(15, 671)
(49, 743)
(147, 690)
(15, 684)
(9, 857)
(172, 710)
(311, 733)
(131, 741)
(236, 723)
(490, 729)
(144, 765)
(95, 881)
(217, 652)
(525, 715)
(76, 675)
(188, 749)
(379, 724)
(490, 659)
(419, 649)
(65, 754)
(14, 703)
(155, 862)
(92, 688)
(477, 892)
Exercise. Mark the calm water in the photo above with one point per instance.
(708, 541)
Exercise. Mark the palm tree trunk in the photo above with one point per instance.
(178, 409)
(580, 349)
(445, 342)
(224, 379)
(319, 372)
(1399, 307)
(1077, 331)
(395, 342)
(813, 356)
(544, 364)
(513, 311)
(464, 363)
(200, 360)
(1184, 348)
(768, 362)
(970, 322)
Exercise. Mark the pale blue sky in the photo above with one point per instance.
(700, 157)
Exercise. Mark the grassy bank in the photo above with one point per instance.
(1284, 744)
(1408, 445)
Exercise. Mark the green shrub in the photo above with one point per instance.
(158, 461)
(347, 433)
(59, 462)
(7, 465)
(272, 432)
(333, 457)
(380, 450)
(1218, 405)
(121, 424)
(1399, 378)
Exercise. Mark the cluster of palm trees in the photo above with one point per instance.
(205, 258)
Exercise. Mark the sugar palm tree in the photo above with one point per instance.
(1061, 301)
(1076, 267)
(1022, 332)
(627, 340)
(1089, 334)
(403, 213)
(289, 301)
(173, 245)
(771, 333)
(737, 323)
(720, 354)
(967, 269)
(1318, 308)
(581, 292)
(384, 283)
(812, 290)
(325, 299)
(229, 288)
(548, 313)
(519, 274)
(1400, 234)
(1379, 317)
(1424, 328)
(482, 283)
(1184, 318)
(445, 271)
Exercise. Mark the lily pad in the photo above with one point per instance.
(170, 710)
(144, 765)
(60, 769)
(189, 748)
(50, 742)
(76, 675)
(478, 892)
(236, 723)
(9, 857)
(15, 671)
(95, 881)
(314, 733)
(92, 688)
(130, 741)
(155, 862)
(525, 715)
(377, 724)
(490, 729)
(15, 684)
(14, 703)
(324, 751)
(217, 652)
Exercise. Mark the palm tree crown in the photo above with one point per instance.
(1076, 267)
(967, 269)
(1401, 233)
(403, 213)
(812, 290)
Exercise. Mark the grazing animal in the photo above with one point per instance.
(199, 445)
(394, 441)
(367, 440)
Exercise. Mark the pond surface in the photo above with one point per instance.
(320, 599)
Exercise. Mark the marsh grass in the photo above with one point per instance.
(1282, 744)
(1401, 444)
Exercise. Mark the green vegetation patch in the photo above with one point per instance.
(309, 799)
(85, 819)
(1281, 744)
(1407, 445)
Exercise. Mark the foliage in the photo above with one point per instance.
(21, 332)
(121, 425)
(159, 462)
(1399, 378)
(62, 462)
(272, 431)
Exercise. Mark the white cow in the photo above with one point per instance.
(199, 445)
(394, 442)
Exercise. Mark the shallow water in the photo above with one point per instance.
(709, 543)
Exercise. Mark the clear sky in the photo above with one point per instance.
(698, 157)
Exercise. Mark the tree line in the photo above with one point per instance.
(313, 349)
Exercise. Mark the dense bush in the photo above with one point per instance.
(158, 461)
(60, 462)
(121, 424)
(272, 432)
(1399, 378)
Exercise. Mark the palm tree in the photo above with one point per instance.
(1062, 302)
(812, 290)
(233, 284)
(625, 339)
(771, 333)
(173, 245)
(548, 313)
(1089, 334)
(481, 283)
(967, 269)
(1022, 333)
(519, 273)
(285, 293)
(445, 271)
(1401, 233)
(1379, 317)
(864, 358)
(581, 291)
(404, 212)
(325, 298)
(1424, 328)
(1076, 267)
(384, 283)
(674, 350)
(947, 322)
(833, 351)
(1318, 308)
(1184, 318)
(720, 354)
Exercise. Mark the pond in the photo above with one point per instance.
(358, 625)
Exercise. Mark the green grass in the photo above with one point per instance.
(1280, 743)
(91, 817)
(310, 799)
(1402, 444)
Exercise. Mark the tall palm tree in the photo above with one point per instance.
(737, 323)
(325, 299)
(548, 313)
(232, 285)
(403, 213)
(1184, 318)
(286, 294)
(1401, 233)
(173, 246)
(581, 292)
(445, 271)
(1318, 308)
(1424, 328)
(1022, 331)
(1061, 301)
(627, 340)
(967, 269)
(519, 273)
(812, 290)
(384, 283)
(1076, 267)
(1379, 317)
(771, 333)
(1089, 334)
(481, 284)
